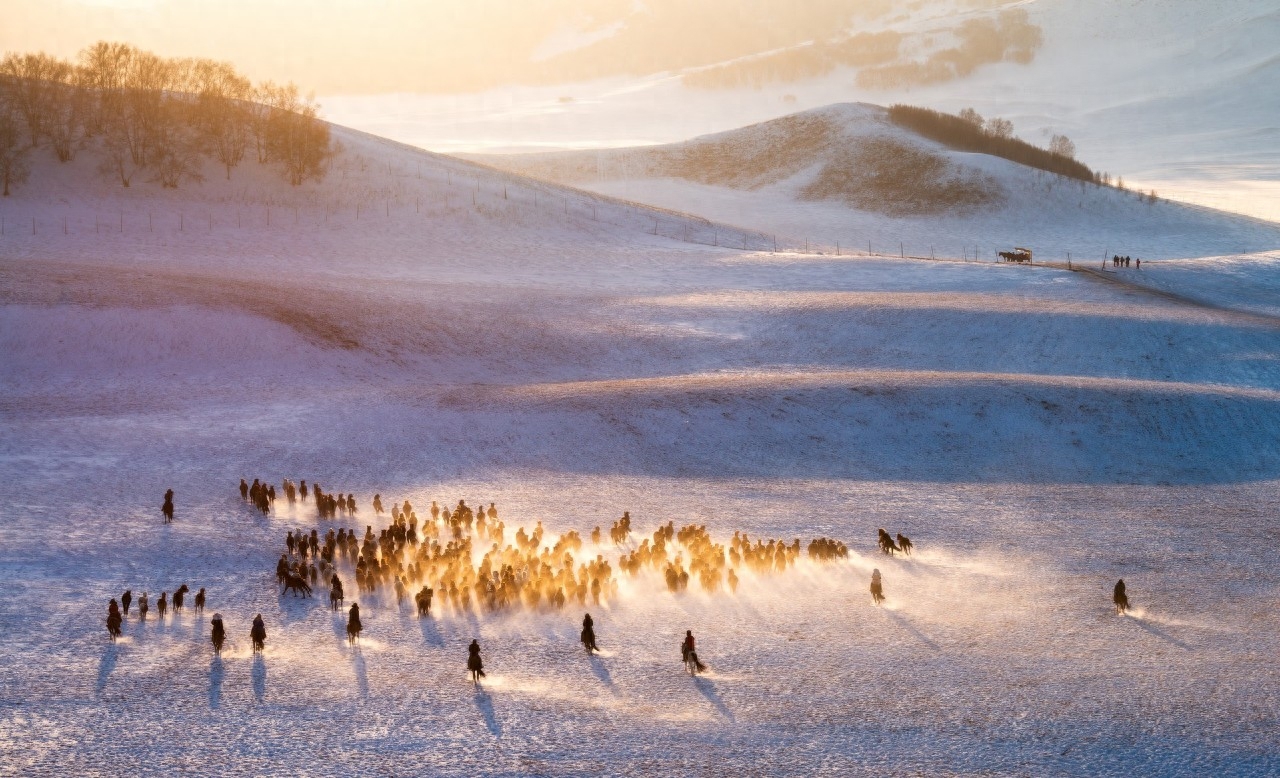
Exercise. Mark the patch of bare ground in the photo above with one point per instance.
(898, 179)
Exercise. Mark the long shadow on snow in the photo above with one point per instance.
(909, 627)
(970, 431)
(430, 632)
(259, 674)
(485, 704)
(708, 690)
(216, 675)
(362, 678)
(602, 672)
(1165, 636)
(106, 665)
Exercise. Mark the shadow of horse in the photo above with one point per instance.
(430, 632)
(106, 665)
(215, 682)
(1165, 636)
(601, 672)
(708, 690)
(909, 627)
(485, 703)
(362, 679)
(259, 677)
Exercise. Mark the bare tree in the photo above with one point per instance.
(223, 111)
(1063, 146)
(103, 69)
(971, 116)
(32, 83)
(13, 150)
(117, 159)
(999, 128)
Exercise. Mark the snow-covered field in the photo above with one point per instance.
(1038, 434)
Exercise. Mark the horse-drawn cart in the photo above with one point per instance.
(1018, 255)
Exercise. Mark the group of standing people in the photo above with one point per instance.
(1119, 261)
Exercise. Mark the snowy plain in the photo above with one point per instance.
(1037, 432)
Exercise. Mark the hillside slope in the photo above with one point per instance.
(1037, 433)
(846, 174)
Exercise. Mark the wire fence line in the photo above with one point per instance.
(439, 191)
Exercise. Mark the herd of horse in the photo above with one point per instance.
(294, 580)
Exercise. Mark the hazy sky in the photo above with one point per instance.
(379, 46)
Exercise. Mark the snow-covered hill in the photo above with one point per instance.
(1176, 96)
(847, 175)
(1037, 432)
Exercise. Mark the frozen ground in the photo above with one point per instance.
(1038, 433)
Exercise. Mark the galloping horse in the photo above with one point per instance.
(297, 584)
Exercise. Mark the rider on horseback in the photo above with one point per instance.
(689, 654)
(258, 633)
(354, 627)
(219, 633)
(588, 634)
(1119, 597)
(474, 663)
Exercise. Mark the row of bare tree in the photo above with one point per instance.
(148, 113)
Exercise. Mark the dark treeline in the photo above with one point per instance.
(1009, 36)
(146, 113)
(969, 133)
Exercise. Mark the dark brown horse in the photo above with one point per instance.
(298, 584)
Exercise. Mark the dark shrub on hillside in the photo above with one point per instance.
(963, 135)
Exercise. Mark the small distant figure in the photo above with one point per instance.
(143, 607)
(354, 627)
(125, 599)
(887, 546)
(1120, 598)
(689, 654)
(200, 600)
(258, 634)
(589, 634)
(1137, 263)
(877, 589)
(474, 664)
(218, 634)
(244, 490)
(162, 604)
(179, 597)
(904, 544)
(377, 504)
(114, 620)
(167, 508)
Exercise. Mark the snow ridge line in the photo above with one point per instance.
(817, 379)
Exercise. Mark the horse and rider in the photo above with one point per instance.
(877, 588)
(218, 635)
(689, 654)
(474, 664)
(1120, 598)
(258, 634)
(354, 627)
(588, 635)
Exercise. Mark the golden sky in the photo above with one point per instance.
(380, 46)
